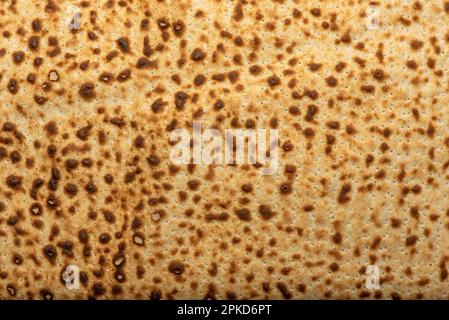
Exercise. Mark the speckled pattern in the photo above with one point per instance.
(86, 178)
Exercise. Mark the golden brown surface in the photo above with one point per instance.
(362, 115)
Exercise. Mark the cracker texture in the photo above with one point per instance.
(86, 178)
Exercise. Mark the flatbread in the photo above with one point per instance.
(357, 91)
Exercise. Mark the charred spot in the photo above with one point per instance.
(193, 184)
(309, 133)
(104, 238)
(98, 289)
(416, 44)
(243, 214)
(158, 105)
(375, 243)
(153, 160)
(273, 81)
(51, 128)
(180, 100)
(139, 142)
(51, 6)
(13, 86)
(287, 146)
(36, 209)
(334, 267)
(87, 91)
(31, 78)
(384, 147)
(285, 188)
(124, 75)
(314, 66)
(130, 177)
(163, 24)
(247, 188)
(333, 125)
(144, 63)
(71, 189)
(414, 212)
(411, 64)
(343, 195)
(340, 66)
(91, 188)
(198, 55)
(283, 289)
(84, 132)
(411, 240)
(337, 238)
(368, 88)
(123, 44)
(15, 156)
(40, 99)
(315, 12)
(255, 70)
(331, 81)
(219, 77)
(83, 236)
(17, 259)
(346, 38)
(52, 150)
(109, 57)
(265, 212)
(176, 267)
(50, 253)
(218, 105)
(54, 179)
(67, 247)
(87, 163)
(216, 217)
(71, 164)
(33, 43)
(378, 74)
(312, 110)
(36, 25)
(46, 294)
(108, 178)
(18, 57)
(156, 295)
(116, 121)
(395, 222)
(14, 182)
(178, 28)
(238, 12)
(199, 80)
(293, 110)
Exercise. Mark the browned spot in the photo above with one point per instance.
(87, 91)
(198, 55)
(416, 44)
(176, 267)
(285, 188)
(411, 240)
(265, 212)
(282, 287)
(273, 81)
(343, 195)
(123, 44)
(243, 214)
